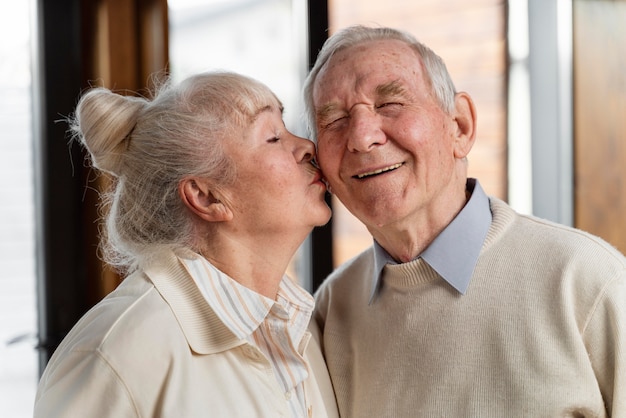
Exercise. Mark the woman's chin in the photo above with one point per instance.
(324, 219)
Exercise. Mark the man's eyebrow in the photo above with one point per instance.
(390, 89)
(326, 109)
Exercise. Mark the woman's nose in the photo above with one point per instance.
(304, 150)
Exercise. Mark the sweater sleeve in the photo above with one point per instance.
(605, 338)
(83, 384)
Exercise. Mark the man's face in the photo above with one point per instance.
(385, 146)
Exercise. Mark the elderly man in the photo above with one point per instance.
(462, 307)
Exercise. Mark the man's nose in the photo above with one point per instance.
(365, 130)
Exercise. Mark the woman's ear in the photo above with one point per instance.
(464, 115)
(201, 198)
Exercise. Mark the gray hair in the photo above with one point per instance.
(148, 146)
(436, 71)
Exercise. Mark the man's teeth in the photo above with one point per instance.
(382, 170)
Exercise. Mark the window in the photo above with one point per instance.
(18, 358)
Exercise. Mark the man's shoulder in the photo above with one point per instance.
(552, 238)
(355, 273)
(362, 263)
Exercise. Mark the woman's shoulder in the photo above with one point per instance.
(132, 317)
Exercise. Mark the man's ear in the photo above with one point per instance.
(464, 115)
(203, 200)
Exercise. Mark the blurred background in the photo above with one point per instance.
(548, 78)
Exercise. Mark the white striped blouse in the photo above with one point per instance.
(274, 327)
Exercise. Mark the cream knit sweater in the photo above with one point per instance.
(541, 331)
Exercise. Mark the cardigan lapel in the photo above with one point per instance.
(204, 331)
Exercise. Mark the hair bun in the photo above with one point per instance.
(103, 123)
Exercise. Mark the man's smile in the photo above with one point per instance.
(378, 171)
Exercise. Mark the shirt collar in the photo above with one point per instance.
(241, 309)
(454, 252)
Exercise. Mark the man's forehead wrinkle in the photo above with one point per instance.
(359, 81)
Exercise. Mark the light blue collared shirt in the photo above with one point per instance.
(454, 252)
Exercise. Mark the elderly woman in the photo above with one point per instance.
(211, 198)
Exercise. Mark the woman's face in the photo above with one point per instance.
(277, 189)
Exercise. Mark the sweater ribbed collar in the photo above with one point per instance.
(453, 254)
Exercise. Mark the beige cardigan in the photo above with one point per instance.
(154, 348)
